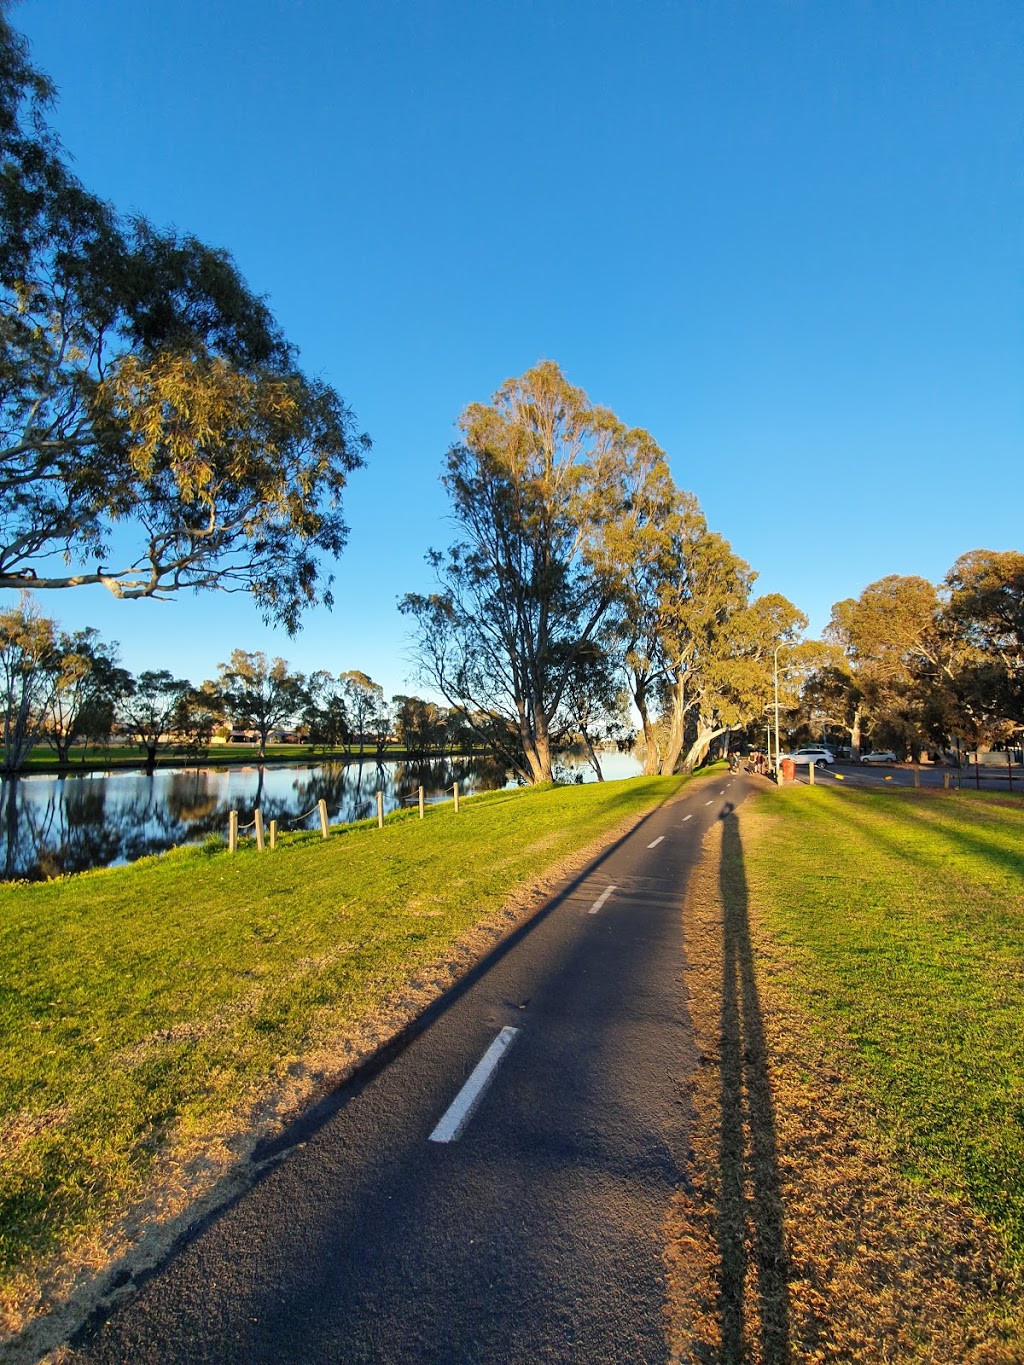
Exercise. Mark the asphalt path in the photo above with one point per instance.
(535, 1235)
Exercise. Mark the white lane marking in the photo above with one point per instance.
(687, 817)
(601, 899)
(710, 803)
(656, 842)
(461, 1108)
(722, 792)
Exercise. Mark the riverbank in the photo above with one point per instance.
(166, 1015)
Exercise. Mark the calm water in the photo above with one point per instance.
(51, 825)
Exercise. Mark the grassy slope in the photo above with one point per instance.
(905, 913)
(146, 1003)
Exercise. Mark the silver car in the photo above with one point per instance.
(882, 756)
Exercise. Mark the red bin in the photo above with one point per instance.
(788, 770)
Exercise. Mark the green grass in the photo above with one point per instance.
(143, 1005)
(904, 915)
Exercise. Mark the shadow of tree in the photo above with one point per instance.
(750, 1215)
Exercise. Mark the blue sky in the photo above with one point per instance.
(783, 235)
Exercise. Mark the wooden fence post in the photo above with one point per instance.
(810, 773)
(455, 789)
(273, 834)
(421, 803)
(233, 832)
(945, 781)
(380, 810)
(917, 774)
(258, 820)
(321, 806)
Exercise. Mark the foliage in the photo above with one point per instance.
(553, 498)
(199, 712)
(364, 702)
(86, 685)
(28, 656)
(151, 710)
(325, 718)
(150, 407)
(259, 694)
(927, 666)
(422, 726)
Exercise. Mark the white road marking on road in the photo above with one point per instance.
(710, 803)
(656, 842)
(687, 817)
(601, 899)
(461, 1108)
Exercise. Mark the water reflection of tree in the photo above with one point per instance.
(96, 821)
(68, 832)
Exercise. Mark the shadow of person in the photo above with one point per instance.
(750, 1222)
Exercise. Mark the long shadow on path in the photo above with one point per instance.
(750, 1222)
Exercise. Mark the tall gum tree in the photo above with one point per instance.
(553, 498)
(156, 433)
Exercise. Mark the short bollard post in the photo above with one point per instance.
(380, 810)
(421, 803)
(258, 821)
(810, 773)
(273, 834)
(455, 789)
(917, 774)
(233, 832)
(945, 781)
(1009, 769)
(321, 806)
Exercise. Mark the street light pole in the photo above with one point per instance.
(776, 657)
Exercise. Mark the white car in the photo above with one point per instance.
(882, 756)
(816, 754)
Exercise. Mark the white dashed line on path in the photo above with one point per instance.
(710, 803)
(461, 1108)
(687, 817)
(657, 841)
(601, 899)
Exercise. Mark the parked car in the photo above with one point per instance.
(882, 756)
(814, 753)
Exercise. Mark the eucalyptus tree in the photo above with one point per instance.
(364, 702)
(553, 497)
(86, 684)
(984, 609)
(261, 694)
(150, 710)
(325, 716)
(28, 655)
(156, 433)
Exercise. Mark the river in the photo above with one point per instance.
(53, 825)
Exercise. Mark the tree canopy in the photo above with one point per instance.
(156, 433)
(553, 497)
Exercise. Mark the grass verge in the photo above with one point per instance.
(856, 971)
(148, 1012)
